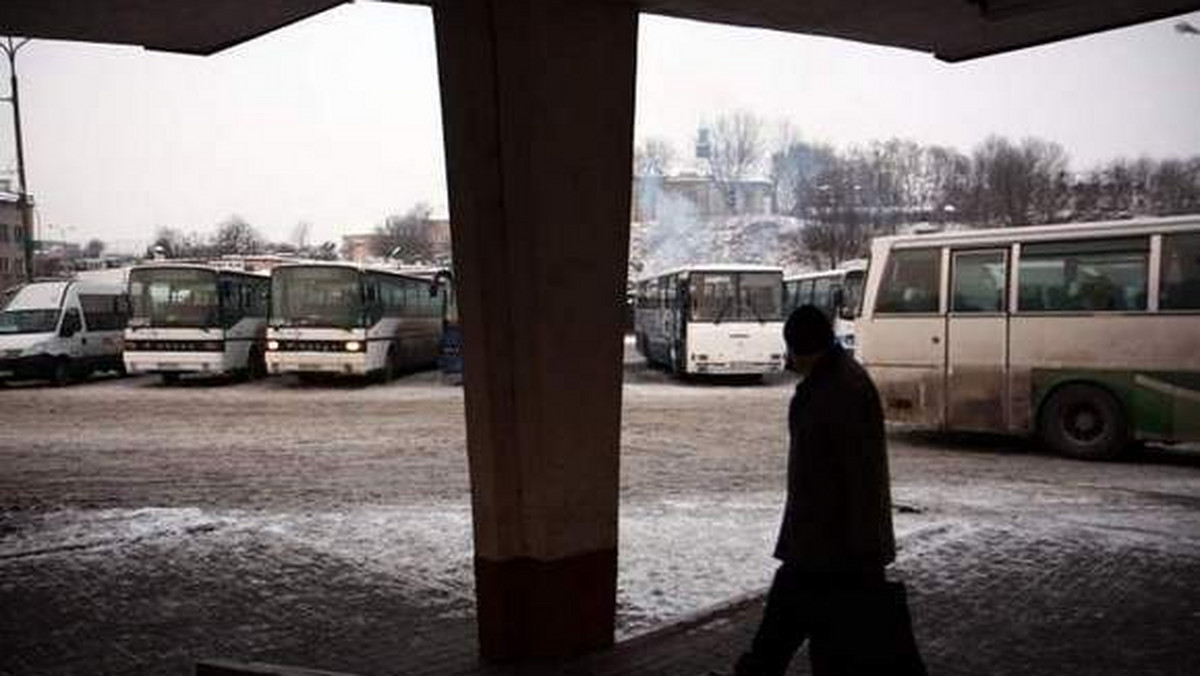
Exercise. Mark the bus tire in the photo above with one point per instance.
(391, 366)
(169, 378)
(60, 373)
(257, 366)
(1084, 421)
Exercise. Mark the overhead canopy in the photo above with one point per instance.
(951, 29)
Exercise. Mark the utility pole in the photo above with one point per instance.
(10, 48)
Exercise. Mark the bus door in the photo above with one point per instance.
(977, 341)
(907, 331)
(680, 311)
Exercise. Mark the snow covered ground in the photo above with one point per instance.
(259, 520)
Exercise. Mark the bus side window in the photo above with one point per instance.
(1090, 276)
(1180, 288)
(805, 296)
(910, 283)
(822, 296)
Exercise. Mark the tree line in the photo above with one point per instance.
(843, 197)
(234, 236)
(405, 237)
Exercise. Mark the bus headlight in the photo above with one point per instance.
(353, 346)
(272, 344)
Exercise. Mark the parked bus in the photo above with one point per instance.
(195, 318)
(343, 319)
(1087, 335)
(712, 319)
(61, 330)
(836, 292)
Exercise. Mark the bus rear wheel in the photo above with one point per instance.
(1084, 421)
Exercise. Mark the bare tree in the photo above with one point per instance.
(829, 243)
(406, 237)
(237, 237)
(735, 147)
(300, 234)
(796, 171)
(93, 249)
(653, 157)
(168, 243)
(1020, 184)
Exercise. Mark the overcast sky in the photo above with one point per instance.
(336, 120)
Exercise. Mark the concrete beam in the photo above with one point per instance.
(538, 104)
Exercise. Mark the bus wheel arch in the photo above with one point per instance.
(1084, 419)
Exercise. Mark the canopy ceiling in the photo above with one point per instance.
(950, 29)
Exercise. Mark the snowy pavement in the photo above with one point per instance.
(144, 527)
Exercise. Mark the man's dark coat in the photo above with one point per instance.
(839, 513)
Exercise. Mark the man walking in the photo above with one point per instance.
(836, 537)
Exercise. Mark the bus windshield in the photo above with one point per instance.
(174, 297)
(736, 296)
(28, 321)
(316, 296)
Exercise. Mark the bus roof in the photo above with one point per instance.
(855, 265)
(1041, 233)
(357, 267)
(168, 265)
(714, 267)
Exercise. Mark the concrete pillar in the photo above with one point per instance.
(537, 103)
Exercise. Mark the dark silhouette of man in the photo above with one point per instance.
(836, 537)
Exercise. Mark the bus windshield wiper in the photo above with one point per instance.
(721, 312)
(759, 317)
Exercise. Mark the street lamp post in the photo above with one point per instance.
(10, 48)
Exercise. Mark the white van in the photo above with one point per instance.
(62, 329)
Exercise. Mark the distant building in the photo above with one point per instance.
(12, 240)
(359, 247)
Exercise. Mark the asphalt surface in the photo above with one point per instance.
(144, 527)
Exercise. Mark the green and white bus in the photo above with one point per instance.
(1087, 335)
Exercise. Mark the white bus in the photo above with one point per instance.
(60, 330)
(343, 319)
(195, 318)
(1087, 335)
(836, 292)
(720, 319)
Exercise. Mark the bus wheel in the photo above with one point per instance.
(61, 375)
(1083, 421)
(391, 366)
(170, 378)
(257, 367)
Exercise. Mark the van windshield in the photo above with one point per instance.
(28, 321)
